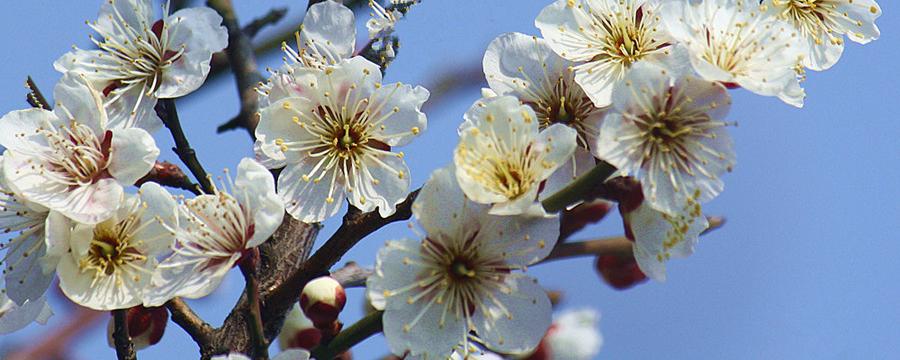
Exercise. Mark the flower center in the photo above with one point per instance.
(627, 37)
(567, 104)
(76, 156)
(812, 17)
(139, 56)
(113, 246)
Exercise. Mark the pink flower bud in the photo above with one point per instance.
(145, 326)
(298, 331)
(322, 300)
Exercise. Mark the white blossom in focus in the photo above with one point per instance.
(668, 133)
(141, 57)
(27, 270)
(823, 24)
(502, 157)
(462, 277)
(574, 336)
(108, 266)
(335, 129)
(213, 231)
(383, 20)
(72, 159)
(659, 236)
(735, 42)
(607, 37)
(525, 67)
(14, 316)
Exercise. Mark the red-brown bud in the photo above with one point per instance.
(582, 215)
(322, 299)
(620, 272)
(145, 326)
(298, 331)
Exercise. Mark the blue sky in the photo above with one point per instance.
(804, 269)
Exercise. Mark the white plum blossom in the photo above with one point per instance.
(213, 231)
(735, 42)
(668, 133)
(383, 20)
(326, 37)
(74, 159)
(574, 336)
(14, 317)
(659, 236)
(292, 354)
(525, 67)
(606, 37)
(108, 266)
(502, 157)
(461, 277)
(27, 269)
(141, 57)
(823, 24)
(335, 129)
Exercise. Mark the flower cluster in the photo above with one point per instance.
(637, 85)
(66, 171)
(629, 95)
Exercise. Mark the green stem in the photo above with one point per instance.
(355, 334)
(578, 188)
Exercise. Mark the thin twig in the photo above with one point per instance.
(169, 114)
(124, 346)
(272, 17)
(617, 245)
(54, 343)
(243, 64)
(369, 325)
(257, 331)
(184, 316)
(34, 97)
(169, 174)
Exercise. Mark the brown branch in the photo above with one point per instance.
(169, 174)
(255, 325)
(124, 346)
(243, 63)
(169, 114)
(270, 18)
(184, 316)
(352, 275)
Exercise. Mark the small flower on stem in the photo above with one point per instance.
(215, 231)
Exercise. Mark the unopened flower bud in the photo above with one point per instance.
(322, 300)
(620, 272)
(582, 215)
(146, 326)
(298, 331)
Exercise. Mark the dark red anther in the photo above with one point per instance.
(378, 145)
(620, 272)
(305, 339)
(731, 85)
(157, 28)
(113, 85)
(169, 54)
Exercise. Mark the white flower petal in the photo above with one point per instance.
(132, 154)
(516, 318)
(201, 34)
(254, 187)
